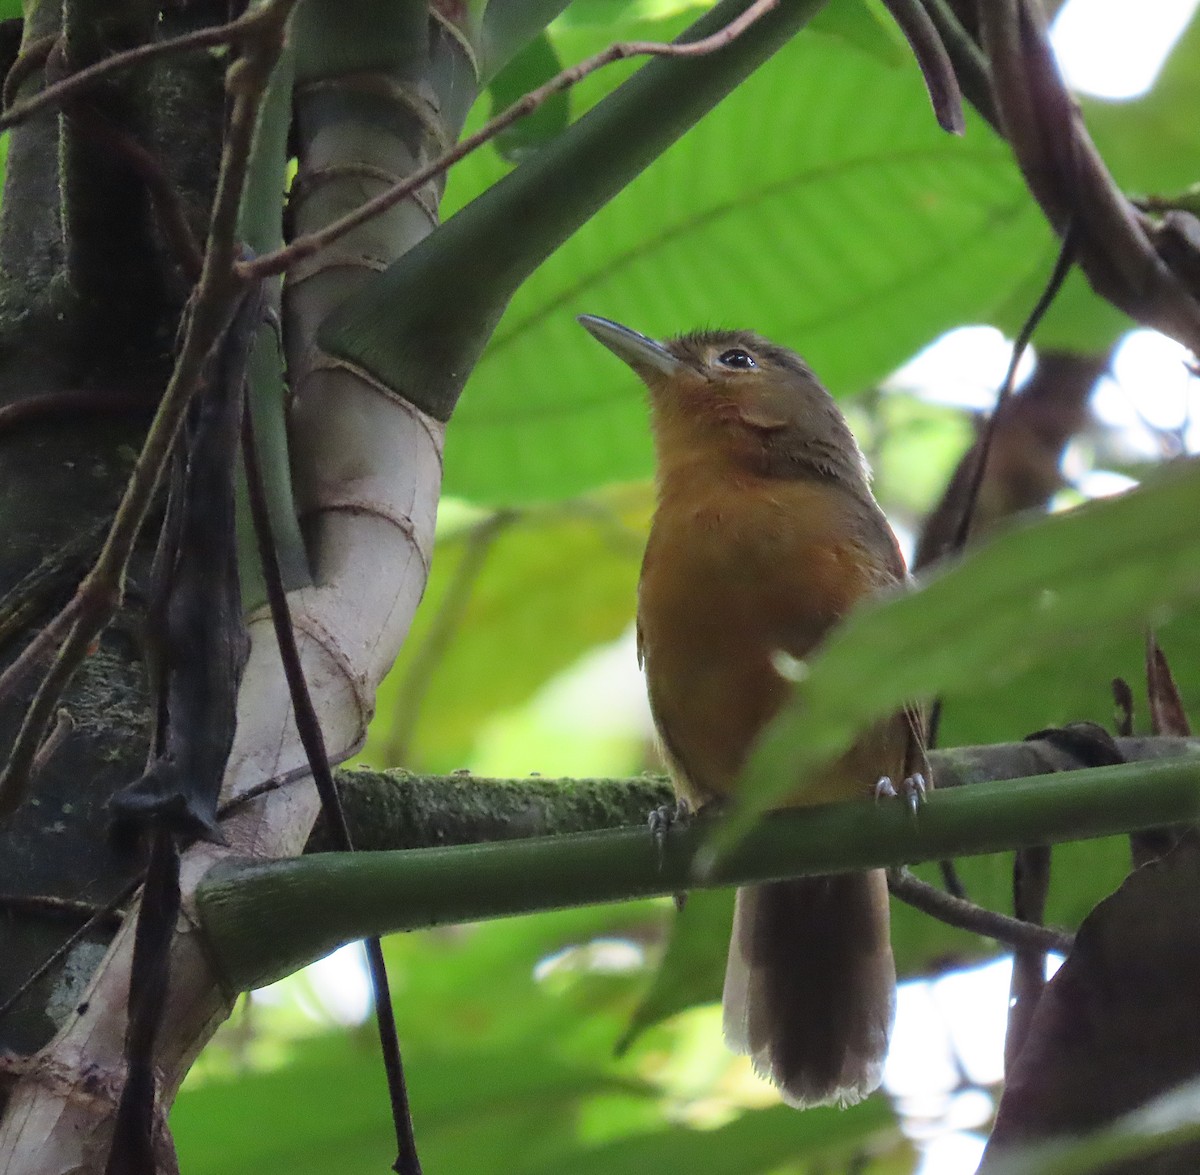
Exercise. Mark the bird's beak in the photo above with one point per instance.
(639, 352)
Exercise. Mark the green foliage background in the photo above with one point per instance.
(821, 205)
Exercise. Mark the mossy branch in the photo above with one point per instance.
(265, 919)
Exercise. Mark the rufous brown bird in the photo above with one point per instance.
(765, 535)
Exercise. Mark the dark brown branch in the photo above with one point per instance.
(1031, 887)
(925, 41)
(1023, 468)
(1117, 244)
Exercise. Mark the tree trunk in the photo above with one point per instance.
(92, 294)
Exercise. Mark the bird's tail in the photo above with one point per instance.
(810, 986)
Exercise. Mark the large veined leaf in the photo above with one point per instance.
(846, 224)
(469, 1008)
(514, 1110)
(506, 1072)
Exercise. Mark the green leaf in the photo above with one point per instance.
(757, 1141)
(1014, 605)
(500, 1061)
(692, 970)
(509, 26)
(523, 614)
(683, 246)
(535, 64)
(866, 25)
(328, 1110)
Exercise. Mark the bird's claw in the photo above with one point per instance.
(660, 822)
(912, 791)
(663, 818)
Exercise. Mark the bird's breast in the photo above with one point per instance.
(731, 577)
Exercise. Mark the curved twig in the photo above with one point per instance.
(275, 263)
(967, 916)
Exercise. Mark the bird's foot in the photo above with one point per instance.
(660, 822)
(662, 819)
(912, 791)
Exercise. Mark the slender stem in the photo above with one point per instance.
(48, 906)
(14, 782)
(308, 727)
(63, 725)
(970, 64)
(1062, 267)
(110, 912)
(965, 915)
(1031, 888)
(40, 647)
(306, 246)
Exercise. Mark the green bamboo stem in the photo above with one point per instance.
(260, 226)
(265, 919)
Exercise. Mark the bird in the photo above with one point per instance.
(765, 534)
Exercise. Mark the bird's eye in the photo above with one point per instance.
(737, 358)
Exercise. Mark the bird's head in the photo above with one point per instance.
(759, 402)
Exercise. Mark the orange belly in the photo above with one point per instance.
(726, 585)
